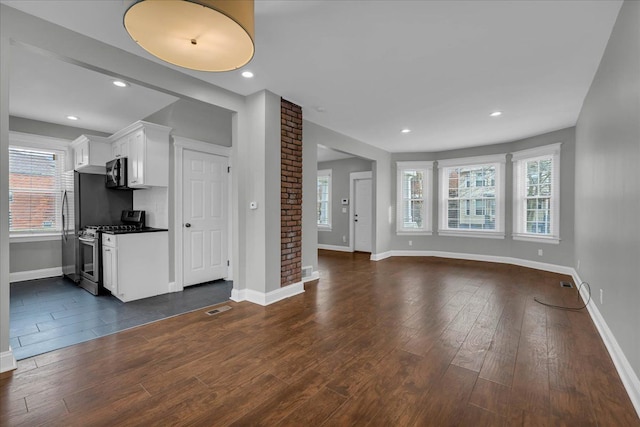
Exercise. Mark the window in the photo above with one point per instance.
(536, 210)
(324, 199)
(413, 194)
(35, 185)
(472, 196)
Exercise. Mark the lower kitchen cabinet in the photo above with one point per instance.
(135, 265)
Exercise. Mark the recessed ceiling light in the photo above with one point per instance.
(247, 74)
(73, 118)
(496, 114)
(405, 130)
(120, 83)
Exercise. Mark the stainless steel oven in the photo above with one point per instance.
(89, 260)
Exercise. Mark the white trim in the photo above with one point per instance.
(38, 141)
(554, 268)
(7, 361)
(414, 233)
(21, 276)
(428, 193)
(629, 378)
(335, 248)
(353, 177)
(519, 160)
(470, 161)
(205, 147)
(32, 237)
(315, 275)
(328, 173)
(544, 150)
(261, 298)
(179, 145)
(472, 233)
(381, 256)
(536, 239)
(499, 162)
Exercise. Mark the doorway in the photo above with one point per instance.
(202, 212)
(361, 230)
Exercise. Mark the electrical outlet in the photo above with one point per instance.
(344, 239)
(540, 252)
(601, 296)
(410, 242)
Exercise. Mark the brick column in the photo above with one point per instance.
(290, 193)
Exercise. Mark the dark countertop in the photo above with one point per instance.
(142, 230)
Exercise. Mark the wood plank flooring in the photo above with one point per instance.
(398, 342)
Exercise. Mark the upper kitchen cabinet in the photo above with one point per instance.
(91, 153)
(147, 148)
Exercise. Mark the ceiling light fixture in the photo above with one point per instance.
(74, 118)
(405, 130)
(247, 74)
(203, 35)
(120, 83)
(496, 114)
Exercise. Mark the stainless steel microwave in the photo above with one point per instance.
(117, 173)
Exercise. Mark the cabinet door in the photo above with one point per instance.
(109, 269)
(136, 158)
(120, 148)
(81, 154)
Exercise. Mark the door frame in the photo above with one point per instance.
(353, 177)
(179, 145)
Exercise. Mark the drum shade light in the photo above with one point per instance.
(204, 35)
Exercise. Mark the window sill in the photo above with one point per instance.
(536, 239)
(324, 228)
(479, 234)
(26, 238)
(414, 233)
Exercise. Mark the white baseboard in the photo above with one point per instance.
(7, 361)
(21, 276)
(262, 298)
(383, 255)
(315, 275)
(173, 287)
(627, 375)
(487, 258)
(335, 248)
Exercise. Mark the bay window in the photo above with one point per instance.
(413, 207)
(536, 209)
(471, 201)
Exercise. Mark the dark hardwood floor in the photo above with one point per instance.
(404, 341)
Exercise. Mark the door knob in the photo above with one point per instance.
(355, 220)
(187, 225)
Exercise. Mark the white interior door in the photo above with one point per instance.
(362, 215)
(204, 214)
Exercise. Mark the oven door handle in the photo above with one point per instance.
(84, 239)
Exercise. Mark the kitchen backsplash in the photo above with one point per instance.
(155, 202)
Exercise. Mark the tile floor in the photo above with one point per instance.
(49, 314)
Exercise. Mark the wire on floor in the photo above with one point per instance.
(562, 307)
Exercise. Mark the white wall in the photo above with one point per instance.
(607, 220)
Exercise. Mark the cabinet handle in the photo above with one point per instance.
(107, 250)
(134, 182)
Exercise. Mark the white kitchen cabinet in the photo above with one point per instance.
(91, 153)
(109, 264)
(136, 265)
(120, 148)
(147, 147)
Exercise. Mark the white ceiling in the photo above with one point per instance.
(375, 67)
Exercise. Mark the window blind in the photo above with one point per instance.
(35, 190)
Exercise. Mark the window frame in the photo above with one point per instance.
(427, 178)
(323, 173)
(519, 160)
(497, 161)
(47, 144)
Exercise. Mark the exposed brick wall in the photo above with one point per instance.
(290, 193)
